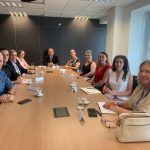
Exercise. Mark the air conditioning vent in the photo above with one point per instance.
(86, 0)
(33, 1)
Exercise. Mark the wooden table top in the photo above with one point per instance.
(32, 126)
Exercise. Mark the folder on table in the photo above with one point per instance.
(61, 112)
(90, 90)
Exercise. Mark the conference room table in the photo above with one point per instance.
(32, 126)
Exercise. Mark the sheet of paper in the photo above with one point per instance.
(90, 90)
(104, 110)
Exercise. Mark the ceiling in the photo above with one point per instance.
(65, 8)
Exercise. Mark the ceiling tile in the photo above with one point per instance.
(66, 8)
(31, 5)
(79, 3)
(15, 9)
(54, 7)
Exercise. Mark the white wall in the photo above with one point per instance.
(119, 21)
(146, 45)
(114, 32)
(136, 41)
(110, 33)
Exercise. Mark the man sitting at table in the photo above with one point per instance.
(5, 67)
(14, 66)
(7, 88)
(50, 58)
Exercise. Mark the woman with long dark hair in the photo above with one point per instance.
(140, 99)
(119, 83)
(102, 71)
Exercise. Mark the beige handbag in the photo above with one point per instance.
(133, 127)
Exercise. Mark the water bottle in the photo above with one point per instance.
(74, 87)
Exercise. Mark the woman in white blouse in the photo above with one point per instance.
(119, 83)
(140, 99)
(23, 63)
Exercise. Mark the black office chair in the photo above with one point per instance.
(135, 82)
(45, 55)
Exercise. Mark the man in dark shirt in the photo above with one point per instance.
(50, 58)
(14, 66)
(5, 67)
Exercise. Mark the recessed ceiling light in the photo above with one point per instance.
(82, 17)
(20, 14)
(2, 3)
(15, 14)
(14, 4)
(8, 4)
(20, 4)
(25, 14)
(11, 13)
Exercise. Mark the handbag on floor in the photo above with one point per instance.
(133, 127)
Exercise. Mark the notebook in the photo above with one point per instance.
(104, 110)
(90, 90)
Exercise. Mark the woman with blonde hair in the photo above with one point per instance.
(89, 67)
(74, 62)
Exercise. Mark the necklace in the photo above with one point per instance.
(142, 95)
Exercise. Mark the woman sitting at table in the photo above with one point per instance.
(140, 99)
(20, 58)
(103, 69)
(74, 62)
(119, 83)
(89, 67)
